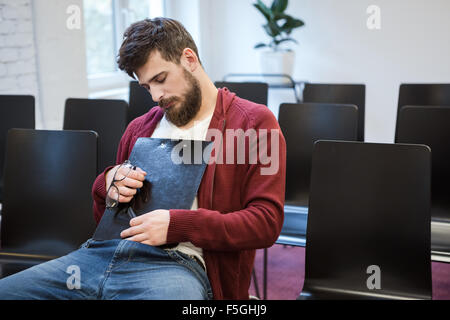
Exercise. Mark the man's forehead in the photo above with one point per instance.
(154, 66)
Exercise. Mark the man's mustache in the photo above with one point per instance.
(165, 102)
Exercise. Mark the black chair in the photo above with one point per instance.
(16, 111)
(253, 91)
(430, 125)
(429, 94)
(47, 208)
(339, 93)
(106, 117)
(302, 125)
(369, 222)
(140, 101)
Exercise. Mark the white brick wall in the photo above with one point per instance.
(18, 71)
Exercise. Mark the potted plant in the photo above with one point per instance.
(279, 27)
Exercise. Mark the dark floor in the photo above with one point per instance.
(286, 267)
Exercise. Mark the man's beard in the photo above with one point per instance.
(190, 103)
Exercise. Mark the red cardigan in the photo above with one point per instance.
(240, 210)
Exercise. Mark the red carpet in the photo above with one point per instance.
(286, 269)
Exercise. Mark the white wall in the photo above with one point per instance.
(18, 71)
(40, 55)
(61, 57)
(336, 46)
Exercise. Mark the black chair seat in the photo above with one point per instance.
(140, 101)
(329, 294)
(16, 111)
(51, 214)
(302, 125)
(361, 227)
(11, 264)
(440, 241)
(422, 94)
(354, 94)
(253, 91)
(429, 125)
(294, 226)
(106, 117)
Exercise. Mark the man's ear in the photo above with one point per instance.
(189, 59)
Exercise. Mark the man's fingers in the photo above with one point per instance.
(133, 231)
(137, 220)
(137, 174)
(132, 183)
(138, 238)
(127, 192)
(123, 199)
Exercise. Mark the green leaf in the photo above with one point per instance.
(272, 29)
(263, 9)
(279, 5)
(260, 45)
(286, 40)
(280, 16)
(291, 24)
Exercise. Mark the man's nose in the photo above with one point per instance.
(157, 94)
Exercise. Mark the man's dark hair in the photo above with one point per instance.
(166, 35)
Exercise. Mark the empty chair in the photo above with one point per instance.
(302, 125)
(339, 93)
(140, 101)
(426, 94)
(253, 91)
(430, 125)
(47, 208)
(106, 117)
(369, 222)
(16, 111)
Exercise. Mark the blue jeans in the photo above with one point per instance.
(113, 269)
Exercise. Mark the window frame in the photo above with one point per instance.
(116, 79)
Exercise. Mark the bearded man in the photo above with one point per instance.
(238, 207)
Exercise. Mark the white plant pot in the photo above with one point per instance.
(277, 62)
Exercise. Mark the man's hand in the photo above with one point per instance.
(150, 228)
(127, 187)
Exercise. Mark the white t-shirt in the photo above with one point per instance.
(167, 130)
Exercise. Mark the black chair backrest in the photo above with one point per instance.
(339, 93)
(16, 111)
(426, 94)
(140, 101)
(302, 125)
(430, 125)
(47, 207)
(253, 91)
(106, 117)
(369, 206)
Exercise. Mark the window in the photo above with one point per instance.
(105, 22)
(100, 46)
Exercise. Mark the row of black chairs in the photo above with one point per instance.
(350, 111)
(356, 221)
(108, 118)
(338, 113)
